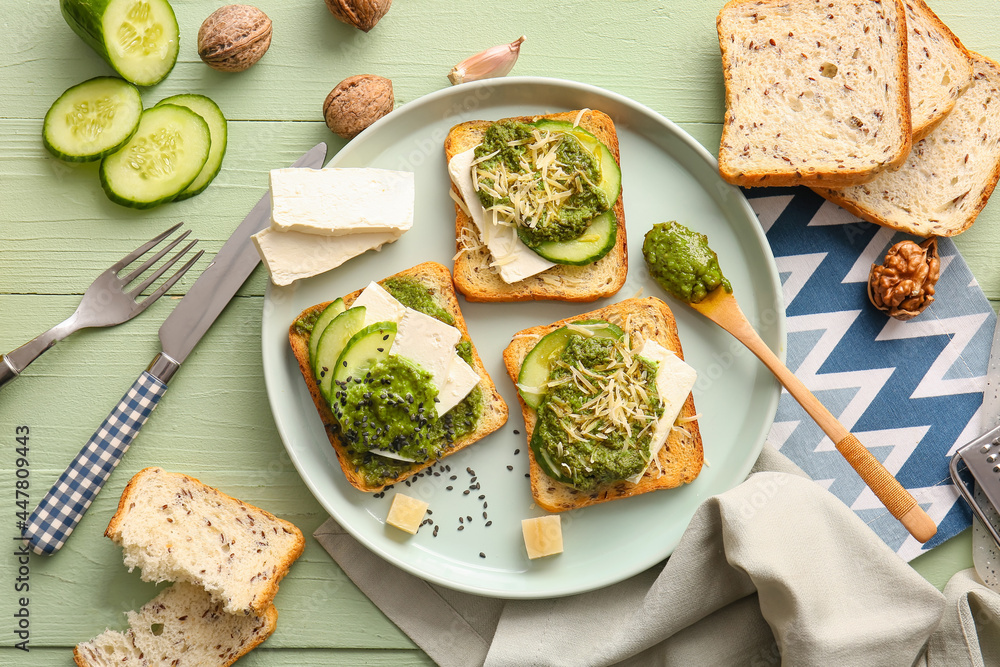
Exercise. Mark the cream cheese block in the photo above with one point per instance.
(513, 259)
(291, 256)
(339, 202)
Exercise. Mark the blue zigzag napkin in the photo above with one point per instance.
(911, 391)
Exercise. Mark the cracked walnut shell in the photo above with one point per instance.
(234, 37)
(362, 14)
(356, 103)
(904, 285)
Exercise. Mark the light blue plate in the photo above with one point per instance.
(666, 176)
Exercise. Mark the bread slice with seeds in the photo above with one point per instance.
(816, 92)
(949, 175)
(680, 459)
(437, 280)
(939, 68)
(180, 627)
(175, 528)
(476, 278)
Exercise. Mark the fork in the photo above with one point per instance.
(106, 303)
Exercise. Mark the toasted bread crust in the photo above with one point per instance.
(479, 282)
(682, 456)
(263, 601)
(437, 278)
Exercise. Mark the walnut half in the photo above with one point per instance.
(904, 285)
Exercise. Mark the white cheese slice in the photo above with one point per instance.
(427, 341)
(406, 513)
(514, 260)
(674, 381)
(338, 202)
(291, 256)
(542, 536)
(380, 306)
(424, 340)
(462, 379)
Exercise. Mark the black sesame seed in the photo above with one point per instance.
(510, 467)
(469, 519)
(482, 497)
(345, 366)
(430, 511)
(482, 555)
(448, 488)
(489, 523)
(461, 527)
(527, 475)
(516, 452)
(435, 534)
(453, 477)
(380, 349)
(465, 493)
(461, 520)
(470, 471)
(484, 515)
(385, 337)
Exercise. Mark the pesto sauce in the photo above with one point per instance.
(304, 325)
(593, 462)
(393, 407)
(681, 261)
(576, 212)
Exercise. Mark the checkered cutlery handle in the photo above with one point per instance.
(50, 525)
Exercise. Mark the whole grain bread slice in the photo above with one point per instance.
(437, 280)
(479, 281)
(816, 92)
(176, 528)
(681, 458)
(939, 67)
(949, 175)
(181, 627)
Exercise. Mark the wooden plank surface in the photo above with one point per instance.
(58, 231)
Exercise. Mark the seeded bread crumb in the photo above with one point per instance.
(176, 528)
(816, 93)
(948, 176)
(180, 627)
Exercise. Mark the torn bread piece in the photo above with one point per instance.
(181, 627)
(678, 461)
(175, 528)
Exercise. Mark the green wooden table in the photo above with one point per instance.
(58, 231)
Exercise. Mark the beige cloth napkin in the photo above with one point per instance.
(774, 571)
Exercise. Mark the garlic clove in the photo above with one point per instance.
(493, 62)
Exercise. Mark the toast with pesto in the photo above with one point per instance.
(480, 273)
(678, 461)
(478, 414)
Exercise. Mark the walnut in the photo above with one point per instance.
(904, 285)
(356, 103)
(362, 14)
(234, 37)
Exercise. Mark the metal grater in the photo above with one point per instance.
(982, 458)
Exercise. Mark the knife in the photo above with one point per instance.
(52, 522)
(982, 455)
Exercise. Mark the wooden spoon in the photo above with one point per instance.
(720, 306)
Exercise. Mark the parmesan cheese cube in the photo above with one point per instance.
(542, 536)
(406, 513)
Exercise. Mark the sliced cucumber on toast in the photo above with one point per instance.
(138, 38)
(163, 157)
(537, 364)
(596, 242)
(365, 349)
(332, 342)
(92, 119)
(217, 127)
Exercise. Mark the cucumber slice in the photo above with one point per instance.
(92, 119)
(365, 349)
(333, 341)
(595, 242)
(329, 313)
(138, 38)
(545, 461)
(212, 114)
(537, 364)
(611, 173)
(162, 158)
